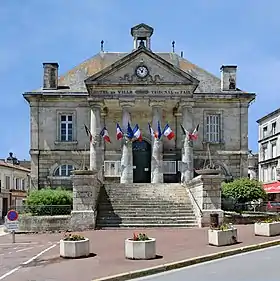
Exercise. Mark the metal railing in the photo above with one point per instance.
(112, 168)
(169, 167)
(200, 210)
(43, 210)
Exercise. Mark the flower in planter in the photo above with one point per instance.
(269, 220)
(223, 227)
(140, 237)
(73, 237)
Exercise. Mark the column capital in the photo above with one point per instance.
(96, 104)
(156, 103)
(126, 103)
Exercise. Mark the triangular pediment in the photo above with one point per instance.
(124, 71)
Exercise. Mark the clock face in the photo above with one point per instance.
(142, 71)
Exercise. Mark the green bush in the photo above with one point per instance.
(49, 202)
(243, 190)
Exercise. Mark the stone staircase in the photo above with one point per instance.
(144, 205)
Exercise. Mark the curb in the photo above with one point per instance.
(185, 263)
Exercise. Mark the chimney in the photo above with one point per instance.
(50, 76)
(228, 77)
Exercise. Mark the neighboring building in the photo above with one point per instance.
(269, 152)
(253, 167)
(140, 86)
(14, 183)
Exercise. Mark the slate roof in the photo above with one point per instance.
(75, 78)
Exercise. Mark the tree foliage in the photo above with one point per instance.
(243, 190)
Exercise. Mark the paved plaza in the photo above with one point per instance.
(36, 256)
(258, 266)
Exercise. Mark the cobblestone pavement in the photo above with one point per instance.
(108, 247)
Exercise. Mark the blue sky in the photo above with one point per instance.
(211, 33)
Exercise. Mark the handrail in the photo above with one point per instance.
(201, 213)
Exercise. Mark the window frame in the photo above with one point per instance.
(207, 138)
(61, 113)
(7, 180)
(60, 173)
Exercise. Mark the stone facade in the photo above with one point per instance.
(107, 89)
(14, 184)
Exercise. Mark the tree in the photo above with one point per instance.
(243, 190)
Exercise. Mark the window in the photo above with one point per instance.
(8, 182)
(265, 175)
(273, 173)
(66, 127)
(273, 128)
(63, 171)
(23, 184)
(213, 128)
(265, 132)
(264, 152)
(17, 183)
(273, 150)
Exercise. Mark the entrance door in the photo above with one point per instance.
(141, 162)
(4, 207)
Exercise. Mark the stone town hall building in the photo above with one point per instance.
(140, 86)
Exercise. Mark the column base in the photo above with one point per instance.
(83, 220)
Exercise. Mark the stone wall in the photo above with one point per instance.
(47, 152)
(44, 223)
(205, 194)
(86, 189)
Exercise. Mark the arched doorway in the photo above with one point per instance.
(141, 161)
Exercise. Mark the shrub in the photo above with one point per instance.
(49, 202)
(243, 190)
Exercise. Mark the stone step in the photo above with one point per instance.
(102, 217)
(145, 203)
(145, 225)
(139, 207)
(149, 212)
(146, 221)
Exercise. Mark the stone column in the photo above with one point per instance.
(187, 150)
(126, 160)
(95, 129)
(157, 147)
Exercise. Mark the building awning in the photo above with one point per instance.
(272, 187)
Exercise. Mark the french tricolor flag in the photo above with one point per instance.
(119, 133)
(137, 133)
(104, 133)
(194, 134)
(168, 132)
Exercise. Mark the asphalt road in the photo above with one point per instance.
(258, 266)
(14, 255)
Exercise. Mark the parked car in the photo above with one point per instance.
(273, 206)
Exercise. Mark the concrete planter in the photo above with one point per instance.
(222, 237)
(267, 228)
(140, 250)
(74, 249)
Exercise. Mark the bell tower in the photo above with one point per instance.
(142, 36)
